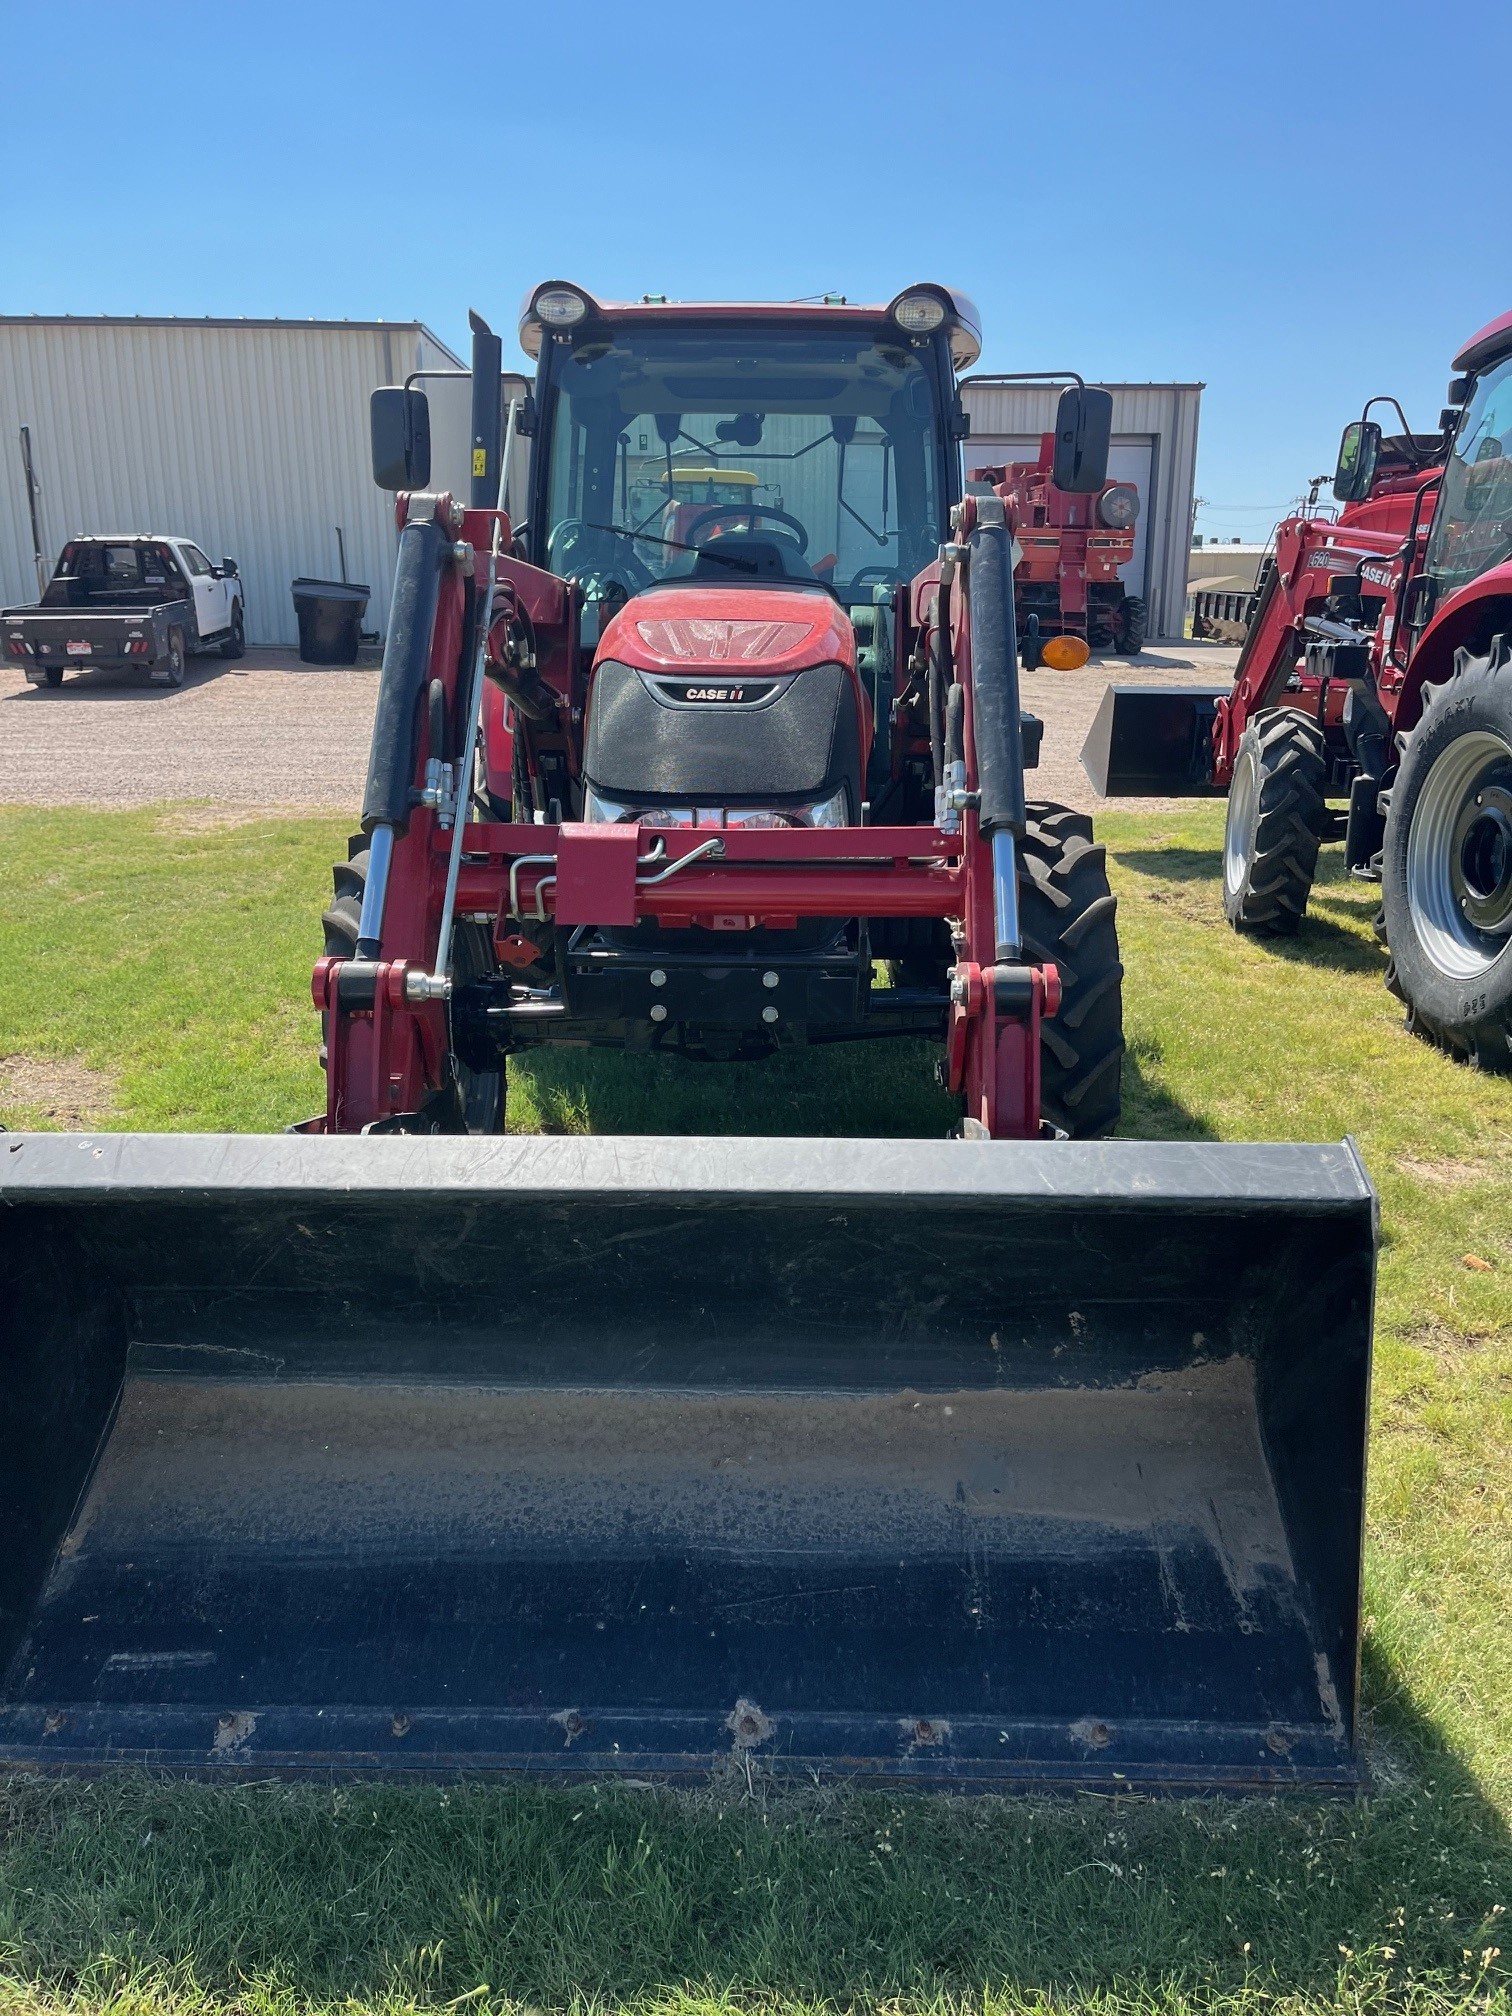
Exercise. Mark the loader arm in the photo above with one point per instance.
(392, 1022)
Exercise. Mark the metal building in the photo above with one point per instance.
(1154, 447)
(251, 437)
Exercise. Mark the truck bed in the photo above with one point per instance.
(97, 633)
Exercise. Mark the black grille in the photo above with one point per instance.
(645, 746)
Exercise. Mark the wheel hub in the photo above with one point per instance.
(1483, 860)
(1459, 856)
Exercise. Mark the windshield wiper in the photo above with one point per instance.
(678, 545)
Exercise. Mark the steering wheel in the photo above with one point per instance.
(750, 512)
(578, 547)
(882, 573)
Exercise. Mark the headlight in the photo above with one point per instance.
(832, 812)
(918, 313)
(559, 307)
(1119, 507)
(603, 811)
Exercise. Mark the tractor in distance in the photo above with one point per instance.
(400, 1444)
(1372, 704)
(1068, 580)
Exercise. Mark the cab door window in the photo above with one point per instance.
(1472, 528)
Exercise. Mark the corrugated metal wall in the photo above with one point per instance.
(1164, 415)
(249, 438)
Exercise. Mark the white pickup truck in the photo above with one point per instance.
(143, 602)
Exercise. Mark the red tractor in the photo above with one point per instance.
(1375, 675)
(997, 1461)
(747, 769)
(1067, 582)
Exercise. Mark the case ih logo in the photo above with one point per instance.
(732, 694)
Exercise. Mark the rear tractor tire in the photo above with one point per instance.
(1068, 916)
(1446, 866)
(1129, 622)
(481, 1092)
(1275, 822)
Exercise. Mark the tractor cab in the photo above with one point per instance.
(739, 492)
(742, 495)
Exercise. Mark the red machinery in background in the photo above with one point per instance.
(1073, 546)
(1332, 728)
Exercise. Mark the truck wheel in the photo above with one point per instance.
(1446, 869)
(1130, 620)
(1068, 916)
(173, 664)
(482, 1092)
(1275, 821)
(234, 645)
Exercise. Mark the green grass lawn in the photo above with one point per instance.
(154, 972)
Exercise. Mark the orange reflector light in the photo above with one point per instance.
(1065, 654)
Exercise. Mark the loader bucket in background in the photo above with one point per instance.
(958, 1463)
(1153, 742)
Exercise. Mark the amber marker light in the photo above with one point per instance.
(1065, 654)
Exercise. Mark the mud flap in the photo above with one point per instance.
(1153, 742)
(975, 1464)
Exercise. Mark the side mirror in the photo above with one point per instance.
(399, 420)
(227, 566)
(1083, 431)
(1359, 451)
(1460, 389)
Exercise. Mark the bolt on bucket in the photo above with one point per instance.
(956, 1463)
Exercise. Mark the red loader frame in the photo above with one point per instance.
(389, 1024)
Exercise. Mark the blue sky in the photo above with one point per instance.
(1164, 191)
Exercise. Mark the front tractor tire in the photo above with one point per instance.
(1068, 917)
(1275, 822)
(1446, 867)
(481, 1093)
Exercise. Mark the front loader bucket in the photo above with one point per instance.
(1153, 742)
(959, 1463)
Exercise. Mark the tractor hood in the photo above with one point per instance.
(670, 629)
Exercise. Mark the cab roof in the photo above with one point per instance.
(965, 321)
(1486, 345)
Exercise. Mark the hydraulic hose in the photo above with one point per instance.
(996, 715)
(424, 546)
(423, 549)
(941, 675)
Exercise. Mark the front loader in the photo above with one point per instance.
(1024, 1458)
(1377, 674)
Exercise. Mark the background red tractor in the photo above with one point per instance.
(1373, 704)
(1073, 546)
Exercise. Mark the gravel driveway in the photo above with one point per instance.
(270, 733)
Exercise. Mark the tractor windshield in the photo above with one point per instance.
(1472, 528)
(759, 453)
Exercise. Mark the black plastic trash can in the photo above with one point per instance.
(330, 620)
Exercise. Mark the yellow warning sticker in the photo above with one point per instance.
(480, 461)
